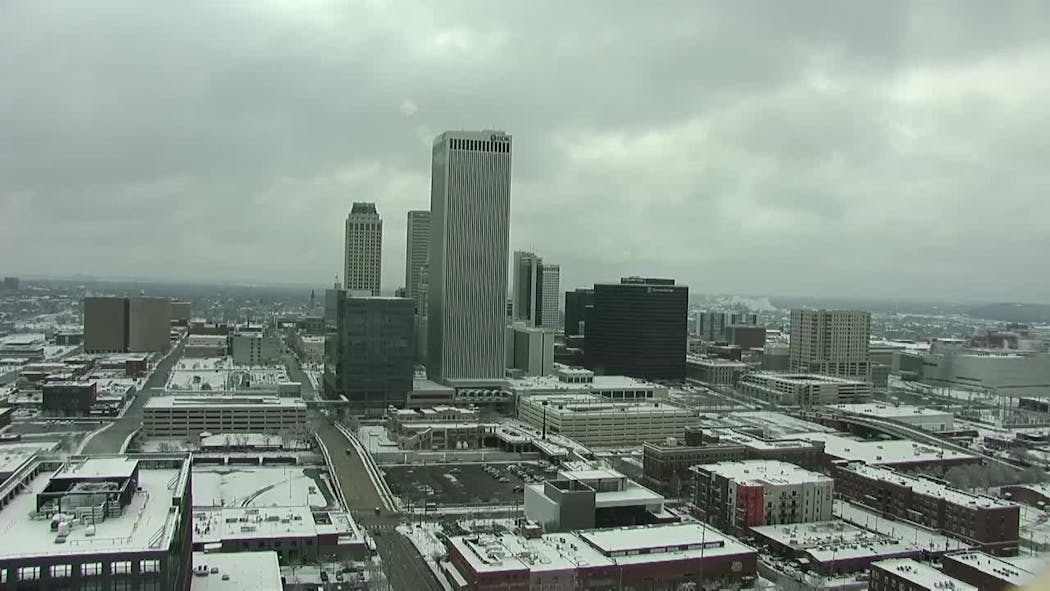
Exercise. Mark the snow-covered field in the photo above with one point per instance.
(236, 486)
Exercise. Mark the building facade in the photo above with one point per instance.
(735, 496)
(182, 416)
(530, 350)
(364, 249)
(711, 326)
(804, 389)
(536, 291)
(989, 523)
(831, 342)
(417, 251)
(370, 358)
(120, 325)
(253, 348)
(596, 421)
(638, 328)
(577, 303)
(470, 236)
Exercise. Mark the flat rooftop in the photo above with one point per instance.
(215, 524)
(1016, 570)
(546, 383)
(775, 424)
(742, 438)
(803, 379)
(257, 571)
(147, 523)
(772, 472)
(922, 574)
(888, 452)
(512, 552)
(928, 487)
(246, 401)
(890, 411)
(14, 455)
(569, 404)
(827, 541)
(629, 544)
(119, 467)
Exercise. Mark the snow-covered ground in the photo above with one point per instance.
(1035, 527)
(236, 486)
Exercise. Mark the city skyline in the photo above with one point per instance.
(862, 150)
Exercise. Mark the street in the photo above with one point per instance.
(110, 440)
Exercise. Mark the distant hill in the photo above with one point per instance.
(1012, 312)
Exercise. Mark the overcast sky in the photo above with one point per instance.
(832, 148)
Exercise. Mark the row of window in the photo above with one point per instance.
(481, 146)
(87, 569)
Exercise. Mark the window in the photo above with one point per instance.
(149, 566)
(61, 570)
(28, 573)
(122, 567)
(90, 569)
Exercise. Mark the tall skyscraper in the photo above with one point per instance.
(576, 305)
(536, 291)
(364, 249)
(638, 328)
(470, 235)
(549, 297)
(417, 251)
(831, 342)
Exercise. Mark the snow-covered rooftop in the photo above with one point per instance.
(928, 487)
(118, 467)
(885, 452)
(13, 455)
(921, 574)
(902, 530)
(212, 525)
(249, 401)
(250, 486)
(890, 411)
(254, 571)
(1016, 570)
(834, 540)
(772, 472)
(146, 524)
(652, 542)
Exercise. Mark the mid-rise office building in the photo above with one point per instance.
(68, 398)
(745, 336)
(803, 389)
(182, 415)
(121, 325)
(370, 357)
(831, 342)
(364, 249)
(11, 283)
(577, 304)
(711, 326)
(417, 251)
(530, 350)
(664, 556)
(97, 523)
(253, 348)
(470, 236)
(986, 522)
(638, 328)
(181, 313)
(735, 496)
(666, 463)
(593, 420)
(584, 496)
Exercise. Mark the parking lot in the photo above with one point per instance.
(459, 484)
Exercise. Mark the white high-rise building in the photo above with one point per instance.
(469, 247)
(364, 249)
(416, 252)
(831, 342)
(537, 291)
(550, 297)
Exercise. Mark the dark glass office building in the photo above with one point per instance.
(638, 328)
(576, 304)
(370, 357)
